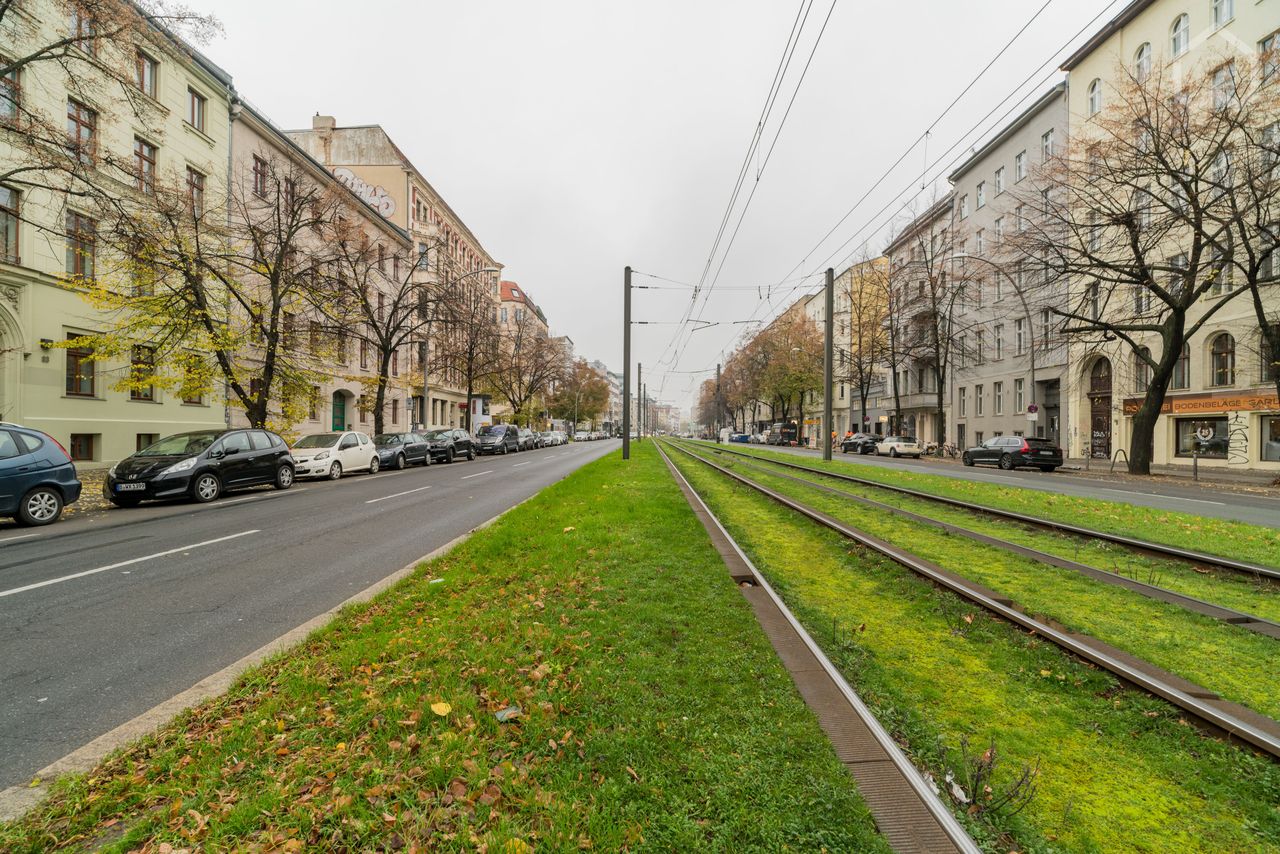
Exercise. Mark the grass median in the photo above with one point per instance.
(581, 675)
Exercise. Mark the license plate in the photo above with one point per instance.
(1046, 453)
(130, 487)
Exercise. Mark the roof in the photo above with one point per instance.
(1012, 128)
(1133, 10)
(511, 292)
(940, 207)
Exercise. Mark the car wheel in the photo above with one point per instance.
(284, 477)
(40, 506)
(504, 450)
(1006, 462)
(124, 501)
(206, 488)
(400, 463)
(1048, 469)
(448, 455)
(471, 454)
(966, 459)
(335, 471)
(374, 466)
(893, 452)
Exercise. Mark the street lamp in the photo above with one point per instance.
(1022, 298)
(426, 354)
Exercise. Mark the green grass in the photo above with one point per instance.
(1237, 663)
(1118, 770)
(655, 715)
(1238, 540)
(1257, 596)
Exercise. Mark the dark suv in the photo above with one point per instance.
(448, 445)
(859, 443)
(498, 439)
(201, 466)
(1011, 452)
(37, 477)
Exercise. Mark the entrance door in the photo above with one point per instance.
(1100, 410)
(339, 412)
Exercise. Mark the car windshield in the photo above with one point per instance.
(318, 440)
(490, 430)
(181, 444)
(434, 434)
(1038, 442)
(906, 440)
(388, 439)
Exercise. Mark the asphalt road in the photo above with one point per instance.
(1190, 498)
(102, 618)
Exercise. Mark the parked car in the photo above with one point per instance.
(331, 454)
(859, 443)
(740, 438)
(448, 445)
(562, 438)
(398, 450)
(1011, 452)
(201, 465)
(527, 439)
(898, 446)
(545, 439)
(37, 477)
(498, 439)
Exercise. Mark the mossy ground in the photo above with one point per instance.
(1119, 771)
(654, 714)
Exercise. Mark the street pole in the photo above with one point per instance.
(828, 364)
(644, 409)
(640, 406)
(719, 405)
(626, 364)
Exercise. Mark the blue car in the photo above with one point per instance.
(37, 477)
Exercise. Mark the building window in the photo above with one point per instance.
(313, 403)
(395, 363)
(980, 349)
(1203, 437)
(1141, 370)
(1269, 50)
(80, 372)
(1271, 439)
(1270, 356)
(1000, 180)
(142, 367)
(144, 165)
(1019, 395)
(1046, 327)
(1046, 145)
(964, 206)
(1020, 336)
(962, 397)
(144, 74)
(1142, 63)
(997, 394)
(1223, 12)
(1180, 35)
(364, 354)
(82, 129)
(84, 30)
(1224, 85)
(195, 192)
(363, 405)
(10, 95)
(395, 411)
(259, 176)
(504, 315)
(145, 440)
(81, 243)
(82, 446)
(999, 341)
(1181, 378)
(196, 104)
(313, 337)
(981, 195)
(1222, 361)
(10, 216)
(977, 400)
(1095, 97)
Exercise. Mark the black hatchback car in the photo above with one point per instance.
(1011, 452)
(448, 445)
(398, 450)
(498, 439)
(200, 465)
(859, 443)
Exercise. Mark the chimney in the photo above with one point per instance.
(322, 123)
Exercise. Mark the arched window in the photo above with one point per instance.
(1095, 97)
(1180, 35)
(1222, 360)
(1141, 370)
(1182, 369)
(1142, 63)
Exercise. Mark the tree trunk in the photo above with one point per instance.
(380, 399)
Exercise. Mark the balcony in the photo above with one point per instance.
(915, 400)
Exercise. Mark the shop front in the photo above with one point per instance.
(1230, 429)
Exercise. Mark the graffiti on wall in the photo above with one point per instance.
(1237, 441)
(375, 197)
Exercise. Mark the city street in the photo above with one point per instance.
(104, 616)
(1186, 498)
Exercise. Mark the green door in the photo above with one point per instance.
(339, 411)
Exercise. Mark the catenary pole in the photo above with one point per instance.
(640, 406)
(828, 364)
(626, 364)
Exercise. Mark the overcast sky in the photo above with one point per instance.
(575, 138)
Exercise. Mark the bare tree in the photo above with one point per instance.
(1146, 214)
(528, 362)
(467, 343)
(865, 289)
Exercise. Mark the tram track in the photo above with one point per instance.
(1236, 721)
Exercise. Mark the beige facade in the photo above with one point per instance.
(1239, 412)
(76, 400)
(366, 160)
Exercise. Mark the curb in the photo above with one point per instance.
(16, 801)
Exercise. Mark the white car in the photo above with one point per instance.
(898, 446)
(331, 454)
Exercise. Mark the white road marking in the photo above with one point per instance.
(477, 474)
(130, 562)
(1176, 498)
(397, 495)
(255, 498)
(517, 465)
(19, 537)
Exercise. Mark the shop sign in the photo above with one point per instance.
(375, 197)
(1183, 404)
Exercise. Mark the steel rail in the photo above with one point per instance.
(947, 821)
(1243, 619)
(1119, 539)
(1195, 701)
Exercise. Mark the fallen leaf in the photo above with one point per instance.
(441, 709)
(510, 713)
(568, 529)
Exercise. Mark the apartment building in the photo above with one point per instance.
(162, 117)
(860, 299)
(1008, 360)
(370, 164)
(516, 307)
(1221, 406)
